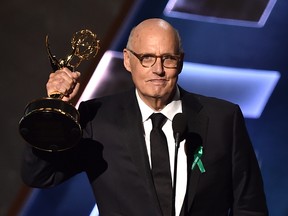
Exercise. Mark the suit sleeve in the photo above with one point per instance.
(46, 169)
(248, 190)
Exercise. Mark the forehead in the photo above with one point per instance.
(155, 38)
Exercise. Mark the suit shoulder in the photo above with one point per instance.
(213, 104)
(117, 98)
(103, 107)
(213, 100)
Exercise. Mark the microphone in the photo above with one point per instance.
(179, 125)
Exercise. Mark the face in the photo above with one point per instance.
(156, 82)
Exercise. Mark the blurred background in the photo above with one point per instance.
(234, 49)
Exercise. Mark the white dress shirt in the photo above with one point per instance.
(170, 110)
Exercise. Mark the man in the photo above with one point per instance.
(217, 171)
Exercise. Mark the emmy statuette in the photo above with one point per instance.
(50, 124)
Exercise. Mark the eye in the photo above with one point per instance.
(147, 57)
(170, 57)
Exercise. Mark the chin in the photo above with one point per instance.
(160, 95)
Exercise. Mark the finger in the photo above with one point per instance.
(76, 75)
(61, 81)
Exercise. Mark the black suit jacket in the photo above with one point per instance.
(114, 156)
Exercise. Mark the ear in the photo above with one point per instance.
(180, 66)
(126, 61)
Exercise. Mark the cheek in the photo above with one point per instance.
(173, 76)
(138, 76)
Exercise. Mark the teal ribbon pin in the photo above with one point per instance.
(197, 160)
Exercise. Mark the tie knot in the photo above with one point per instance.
(157, 120)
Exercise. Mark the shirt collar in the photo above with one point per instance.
(170, 110)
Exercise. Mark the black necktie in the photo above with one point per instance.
(160, 164)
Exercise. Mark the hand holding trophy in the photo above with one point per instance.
(49, 123)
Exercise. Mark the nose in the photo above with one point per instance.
(158, 67)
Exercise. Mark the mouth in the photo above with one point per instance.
(158, 81)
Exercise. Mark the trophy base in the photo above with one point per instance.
(50, 124)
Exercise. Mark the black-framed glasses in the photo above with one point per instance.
(148, 59)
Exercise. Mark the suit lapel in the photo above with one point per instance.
(134, 132)
(195, 137)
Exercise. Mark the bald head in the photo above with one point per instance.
(151, 27)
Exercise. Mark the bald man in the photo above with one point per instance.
(217, 171)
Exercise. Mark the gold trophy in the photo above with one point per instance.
(49, 123)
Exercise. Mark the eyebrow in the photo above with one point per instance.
(173, 54)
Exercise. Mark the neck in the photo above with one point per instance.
(158, 103)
